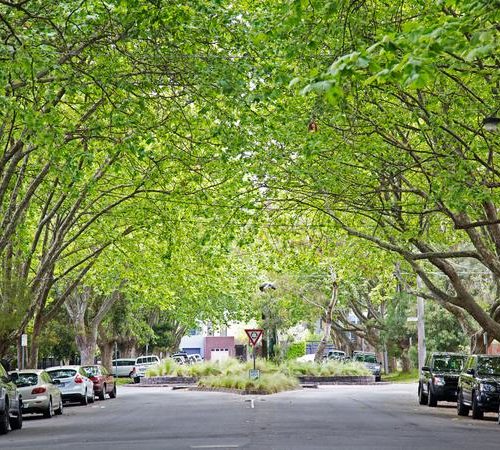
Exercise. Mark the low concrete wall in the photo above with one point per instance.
(169, 380)
(337, 380)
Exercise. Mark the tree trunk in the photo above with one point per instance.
(32, 357)
(128, 349)
(107, 349)
(405, 361)
(87, 346)
(318, 357)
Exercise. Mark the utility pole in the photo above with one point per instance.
(420, 326)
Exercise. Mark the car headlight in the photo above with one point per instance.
(487, 387)
(439, 381)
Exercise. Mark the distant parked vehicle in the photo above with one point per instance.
(74, 384)
(181, 358)
(370, 361)
(337, 355)
(143, 362)
(479, 386)
(306, 358)
(104, 382)
(39, 392)
(439, 378)
(195, 358)
(11, 415)
(123, 366)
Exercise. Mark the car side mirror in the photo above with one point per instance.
(470, 372)
(426, 369)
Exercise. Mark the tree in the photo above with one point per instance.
(398, 155)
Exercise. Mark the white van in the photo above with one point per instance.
(123, 366)
(143, 362)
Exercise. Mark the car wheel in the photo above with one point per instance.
(462, 410)
(112, 394)
(85, 399)
(59, 410)
(4, 419)
(431, 398)
(49, 412)
(477, 413)
(422, 398)
(16, 423)
(102, 394)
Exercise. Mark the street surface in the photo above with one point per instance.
(336, 417)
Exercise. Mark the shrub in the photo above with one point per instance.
(268, 382)
(329, 369)
(296, 350)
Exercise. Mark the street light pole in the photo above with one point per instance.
(420, 326)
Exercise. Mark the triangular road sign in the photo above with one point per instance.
(254, 335)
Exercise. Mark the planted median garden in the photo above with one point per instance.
(233, 374)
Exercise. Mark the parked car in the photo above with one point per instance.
(143, 362)
(39, 392)
(104, 382)
(306, 358)
(74, 383)
(194, 358)
(181, 358)
(370, 361)
(479, 386)
(123, 366)
(10, 404)
(337, 355)
(439, 378)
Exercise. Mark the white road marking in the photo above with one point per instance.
(252, 405)
(216, 446)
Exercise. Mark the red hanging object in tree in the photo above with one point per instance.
(313, 126)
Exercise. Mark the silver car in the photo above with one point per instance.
(74, 384)
(39, 393)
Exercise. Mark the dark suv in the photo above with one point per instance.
(439, 378)
(479, 386)
(10, 404)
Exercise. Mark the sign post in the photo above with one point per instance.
(24, 344)
(253, 336)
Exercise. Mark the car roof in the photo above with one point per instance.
(124, 359)
(448, 354)
(37, 371)
(63, 367)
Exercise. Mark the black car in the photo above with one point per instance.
(479, 386)
(10, 404)
(439, 378)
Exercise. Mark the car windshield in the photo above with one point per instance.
(26, 379)
(62, 373)
(365, 358)
(445, 363)
(488, 366)
(91, 370)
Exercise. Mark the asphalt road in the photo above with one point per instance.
(337, 417)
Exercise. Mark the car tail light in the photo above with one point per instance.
(94, 379)
(78, 379)
(38, 390)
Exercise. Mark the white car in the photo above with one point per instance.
(143, 362)
(38, 391)
(123, 366)
(73, 383)
(306, 358)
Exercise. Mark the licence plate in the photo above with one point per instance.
(62, 384)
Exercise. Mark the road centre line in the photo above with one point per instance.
(216, 446)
